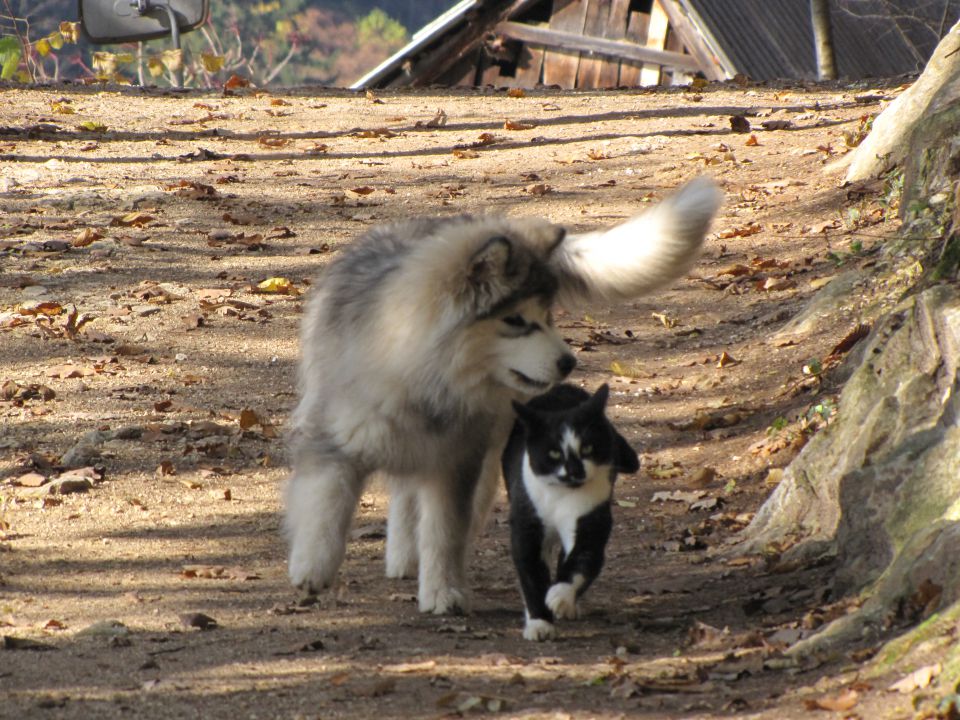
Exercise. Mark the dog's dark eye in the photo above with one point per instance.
(586, 450)
(516, 321)
(555, 455)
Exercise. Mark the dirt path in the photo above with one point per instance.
(160, 227)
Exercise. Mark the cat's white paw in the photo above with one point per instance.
(562, 601)
(539, 630)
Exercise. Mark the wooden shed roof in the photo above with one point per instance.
(605, 43)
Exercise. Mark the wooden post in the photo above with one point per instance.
(656, 40)
(823, 39)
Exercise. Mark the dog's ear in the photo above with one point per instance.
(487, 272)
(539, 236)
(490, 260)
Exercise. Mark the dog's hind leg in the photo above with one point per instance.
(402, 529)
(486, 493)
(321, 498)
(446, 507)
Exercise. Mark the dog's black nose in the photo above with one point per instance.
(566, 364)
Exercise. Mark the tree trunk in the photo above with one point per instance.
(823, 39)
(886, 145)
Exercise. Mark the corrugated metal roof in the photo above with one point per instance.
(768, 39)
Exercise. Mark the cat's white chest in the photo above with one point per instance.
(559, 506)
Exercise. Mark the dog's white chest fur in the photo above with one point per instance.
(560, 507)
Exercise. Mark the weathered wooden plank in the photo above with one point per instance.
(560, 66)
(616, 29)
(693, 41)
(590, 64)
(529, 66)
(656, 40)
(571, 42)
(490, 72)
(458, 45)
(637, 24)
(463, 72)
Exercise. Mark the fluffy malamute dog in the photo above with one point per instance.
(415, 342)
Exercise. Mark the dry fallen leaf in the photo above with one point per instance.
(847, 700)
(132, 219)
(742, 231)
(40, 308)
(438, 120)
(248, 418)
(217, 572)
(485, 139)
(725, 360)
(375, 133)
(665, 320)
(517, 125)
(772, 284)
(822, 227)
(31, 479)
(236, 81)
(278, 285)
(271, 141)
(917, 680)
(86, 237)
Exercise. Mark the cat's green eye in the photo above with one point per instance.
(586, 450)
(555, 455)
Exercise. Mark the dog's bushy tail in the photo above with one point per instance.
(642, 254)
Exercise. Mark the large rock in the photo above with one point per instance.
(879, 489)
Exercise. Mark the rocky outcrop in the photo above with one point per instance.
(878, 490)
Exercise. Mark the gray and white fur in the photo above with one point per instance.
(416, 340)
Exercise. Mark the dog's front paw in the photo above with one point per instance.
(539, 630)
(562, 601)
(309, 572)
(444, 601)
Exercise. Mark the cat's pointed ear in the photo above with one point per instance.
(527, 417)
(599, 399)
(625, 458)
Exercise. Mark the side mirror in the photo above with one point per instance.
(106, 22)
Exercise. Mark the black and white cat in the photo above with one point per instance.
(559, 466)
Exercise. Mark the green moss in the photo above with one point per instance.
(938, 624)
